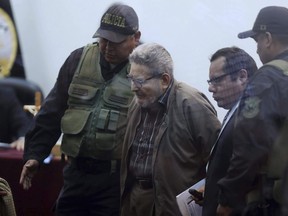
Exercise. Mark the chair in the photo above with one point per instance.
(25, 90)
(29, 93)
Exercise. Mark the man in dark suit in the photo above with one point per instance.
(14, 122)
(229, 72)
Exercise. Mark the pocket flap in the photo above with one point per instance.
(83, 92)
(118, 95)
(74, 121)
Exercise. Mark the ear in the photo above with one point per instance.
(165, 80)
(243, 76)
(269, 39)
(137, 36)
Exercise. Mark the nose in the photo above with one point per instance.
(107, 45)
(211, 88)
(110, 45)
(134, 88)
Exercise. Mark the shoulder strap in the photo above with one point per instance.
(89, 62)
(280, 64)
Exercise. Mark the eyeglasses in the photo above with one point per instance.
(217, 80)
(139, 82)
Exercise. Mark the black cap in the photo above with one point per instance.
(117, 23)
(271, 19)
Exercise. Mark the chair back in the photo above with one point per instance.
(25, 90)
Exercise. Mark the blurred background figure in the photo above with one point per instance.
(14, 121)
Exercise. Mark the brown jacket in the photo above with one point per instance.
(181, 148)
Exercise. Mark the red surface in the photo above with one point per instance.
(46, 185)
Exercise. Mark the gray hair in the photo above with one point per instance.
(153, 56)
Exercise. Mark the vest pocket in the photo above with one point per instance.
(81, 93)
(106, 127)
(105, 141)
(72, 125)
(118, 94)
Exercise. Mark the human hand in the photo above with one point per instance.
(28, 171)
(197, 195)
(18, 144)
(224, 210)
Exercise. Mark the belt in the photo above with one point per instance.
(95, 166)
(144, 183)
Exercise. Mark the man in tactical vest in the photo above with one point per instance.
(89, 104)
(259, 141)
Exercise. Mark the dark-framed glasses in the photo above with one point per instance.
(217, 80)
(139, 82)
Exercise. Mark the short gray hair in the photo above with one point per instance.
(153, 56)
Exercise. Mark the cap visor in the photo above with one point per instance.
(246, 34)
(109, 35)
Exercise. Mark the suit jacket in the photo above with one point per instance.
(218, 164)
(14, 122)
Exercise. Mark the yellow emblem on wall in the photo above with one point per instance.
(8, 43)
(251, 107)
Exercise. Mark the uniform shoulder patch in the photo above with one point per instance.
(251, 107)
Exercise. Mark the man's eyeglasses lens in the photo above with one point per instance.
(139, 82)
(217, 80)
